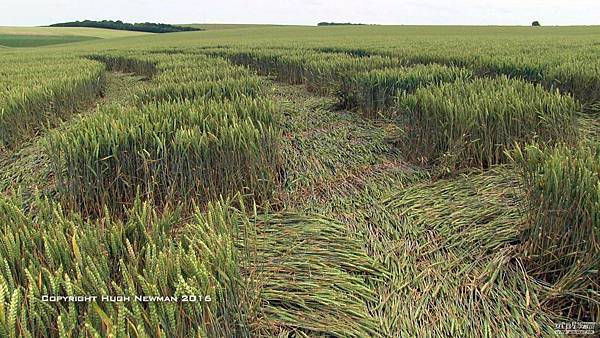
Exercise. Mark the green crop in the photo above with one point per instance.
(563, 241)
(49, 254)
(376, 90)
(473, 123)
(37, 90)
(363, 181)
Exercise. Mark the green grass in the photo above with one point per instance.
(39, 40)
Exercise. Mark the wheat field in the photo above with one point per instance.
(293, 181)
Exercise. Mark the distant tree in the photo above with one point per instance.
(120, 25)
(339, 24)
(536, 24)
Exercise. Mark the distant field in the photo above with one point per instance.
(39, 40)
(218, 27)
(45, 36)
(68, 31)
(390, 37)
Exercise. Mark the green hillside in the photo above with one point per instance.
(68, 31)
(39, 40)
(43, 36)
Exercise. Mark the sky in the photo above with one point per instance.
(305, 12)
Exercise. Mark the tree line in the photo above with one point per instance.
(339, 24)
(149, 27)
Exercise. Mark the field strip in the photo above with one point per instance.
(68, 31)
(332, 154)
